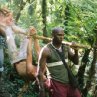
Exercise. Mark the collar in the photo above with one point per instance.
(60, 48)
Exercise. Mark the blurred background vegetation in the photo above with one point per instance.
(79, 20)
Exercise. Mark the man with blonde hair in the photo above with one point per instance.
(20, 58)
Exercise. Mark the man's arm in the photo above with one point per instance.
(27, 32)
(36, 42)
(42, 64)
(73, 56)
(18, 29)
(31, 69)
(37, 47)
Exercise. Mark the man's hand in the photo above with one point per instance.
(32, 31)
(74, 46)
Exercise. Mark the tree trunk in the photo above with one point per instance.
(92, 71)
(67, 15)
(82, 67)
(44, 10)
(22, 4)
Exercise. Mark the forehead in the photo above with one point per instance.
(60, 32)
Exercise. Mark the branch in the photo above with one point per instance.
(64, 42)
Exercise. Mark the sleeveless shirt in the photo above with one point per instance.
(56, 67)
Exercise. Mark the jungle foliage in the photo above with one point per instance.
(79, 20)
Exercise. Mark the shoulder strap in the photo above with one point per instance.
(73, 81)
(61, 54)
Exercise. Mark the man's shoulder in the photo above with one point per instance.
(46, 48)
(65, 46)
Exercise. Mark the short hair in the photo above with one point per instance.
(57, 29)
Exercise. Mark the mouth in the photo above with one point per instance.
(60, 39)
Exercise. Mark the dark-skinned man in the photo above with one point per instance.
(57, 81)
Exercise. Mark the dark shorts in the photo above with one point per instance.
(58, 89)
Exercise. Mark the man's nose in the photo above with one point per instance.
(62, 37)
